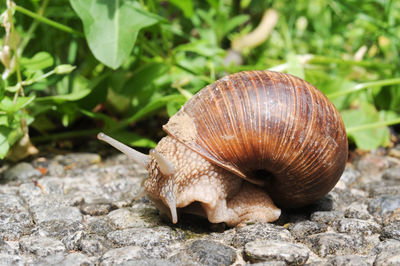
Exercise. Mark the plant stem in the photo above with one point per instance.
(20, 90)
(316, 59)
(362, 86)
(47, 21)
(373, 125)
(32, 28)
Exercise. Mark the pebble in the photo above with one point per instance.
(383, 204)
(265, 250)
(305, 228)
(353, 260)
(259, 231)
(125, 218)
(205, 252)
(350, 176)
(388, 253)
(354, 226)
(372, 164)
(41, 246)
(391, 231)
(327, 217)
(120, 256)
(85, 212)
(21, 172)
(392, 174)
(157, 240)
(357, 210)
(331, 243)
(15, 219)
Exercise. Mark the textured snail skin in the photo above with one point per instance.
(267, 128)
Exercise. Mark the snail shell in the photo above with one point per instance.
(243, 144)
(269, 126)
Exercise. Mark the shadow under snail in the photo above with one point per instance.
(244, 145)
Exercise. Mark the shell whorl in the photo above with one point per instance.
(262, 124)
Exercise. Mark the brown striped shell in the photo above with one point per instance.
(270, 128)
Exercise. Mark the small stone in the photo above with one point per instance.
(76, 258)
(150, 262)
(15, 220)
(384, 190)
(94, 245)
(392, 174)
(395, 152)
(349, 176)
(78, 159)
(61, 259)
(72, 241)
(99, 225)
(121, 256)
(156, 240)
(326, 217)
(260, 231)
(96, 209)
(58, 222)
(331, 243)
(353, 260)
(126, 218)
(391, 217)
(205, 252)
(305, 228)
(71, 214)
(40, 245)
(391, 231)
(21, 172)
(5, 248)
(383, 204)
(350, 225)
(144, 236)
(271, 263)
(358, 211)
(264, 250)
(388, 253)
(6, 259)
(372, 164)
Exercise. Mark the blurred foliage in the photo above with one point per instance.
(73, 68)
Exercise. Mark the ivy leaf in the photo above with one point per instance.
(111, 27)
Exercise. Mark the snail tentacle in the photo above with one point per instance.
(166, 167)
(138, 157)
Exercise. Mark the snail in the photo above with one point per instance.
(244, 145)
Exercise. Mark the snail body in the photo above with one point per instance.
(243, 144)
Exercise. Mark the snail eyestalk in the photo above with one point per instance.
(138, 157)
(170, 200)
(166, 167)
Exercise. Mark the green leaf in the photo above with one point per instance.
(151, 107)
(186, 6)
(367, 139)
(143, 77)
(111, 27)
(201, 47)
(4, 145)
(7, 105)
(295, 67)
(75, 95)
(39, 61)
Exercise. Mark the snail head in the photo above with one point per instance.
(157, 165)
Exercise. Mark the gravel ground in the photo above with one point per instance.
(78, 209)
